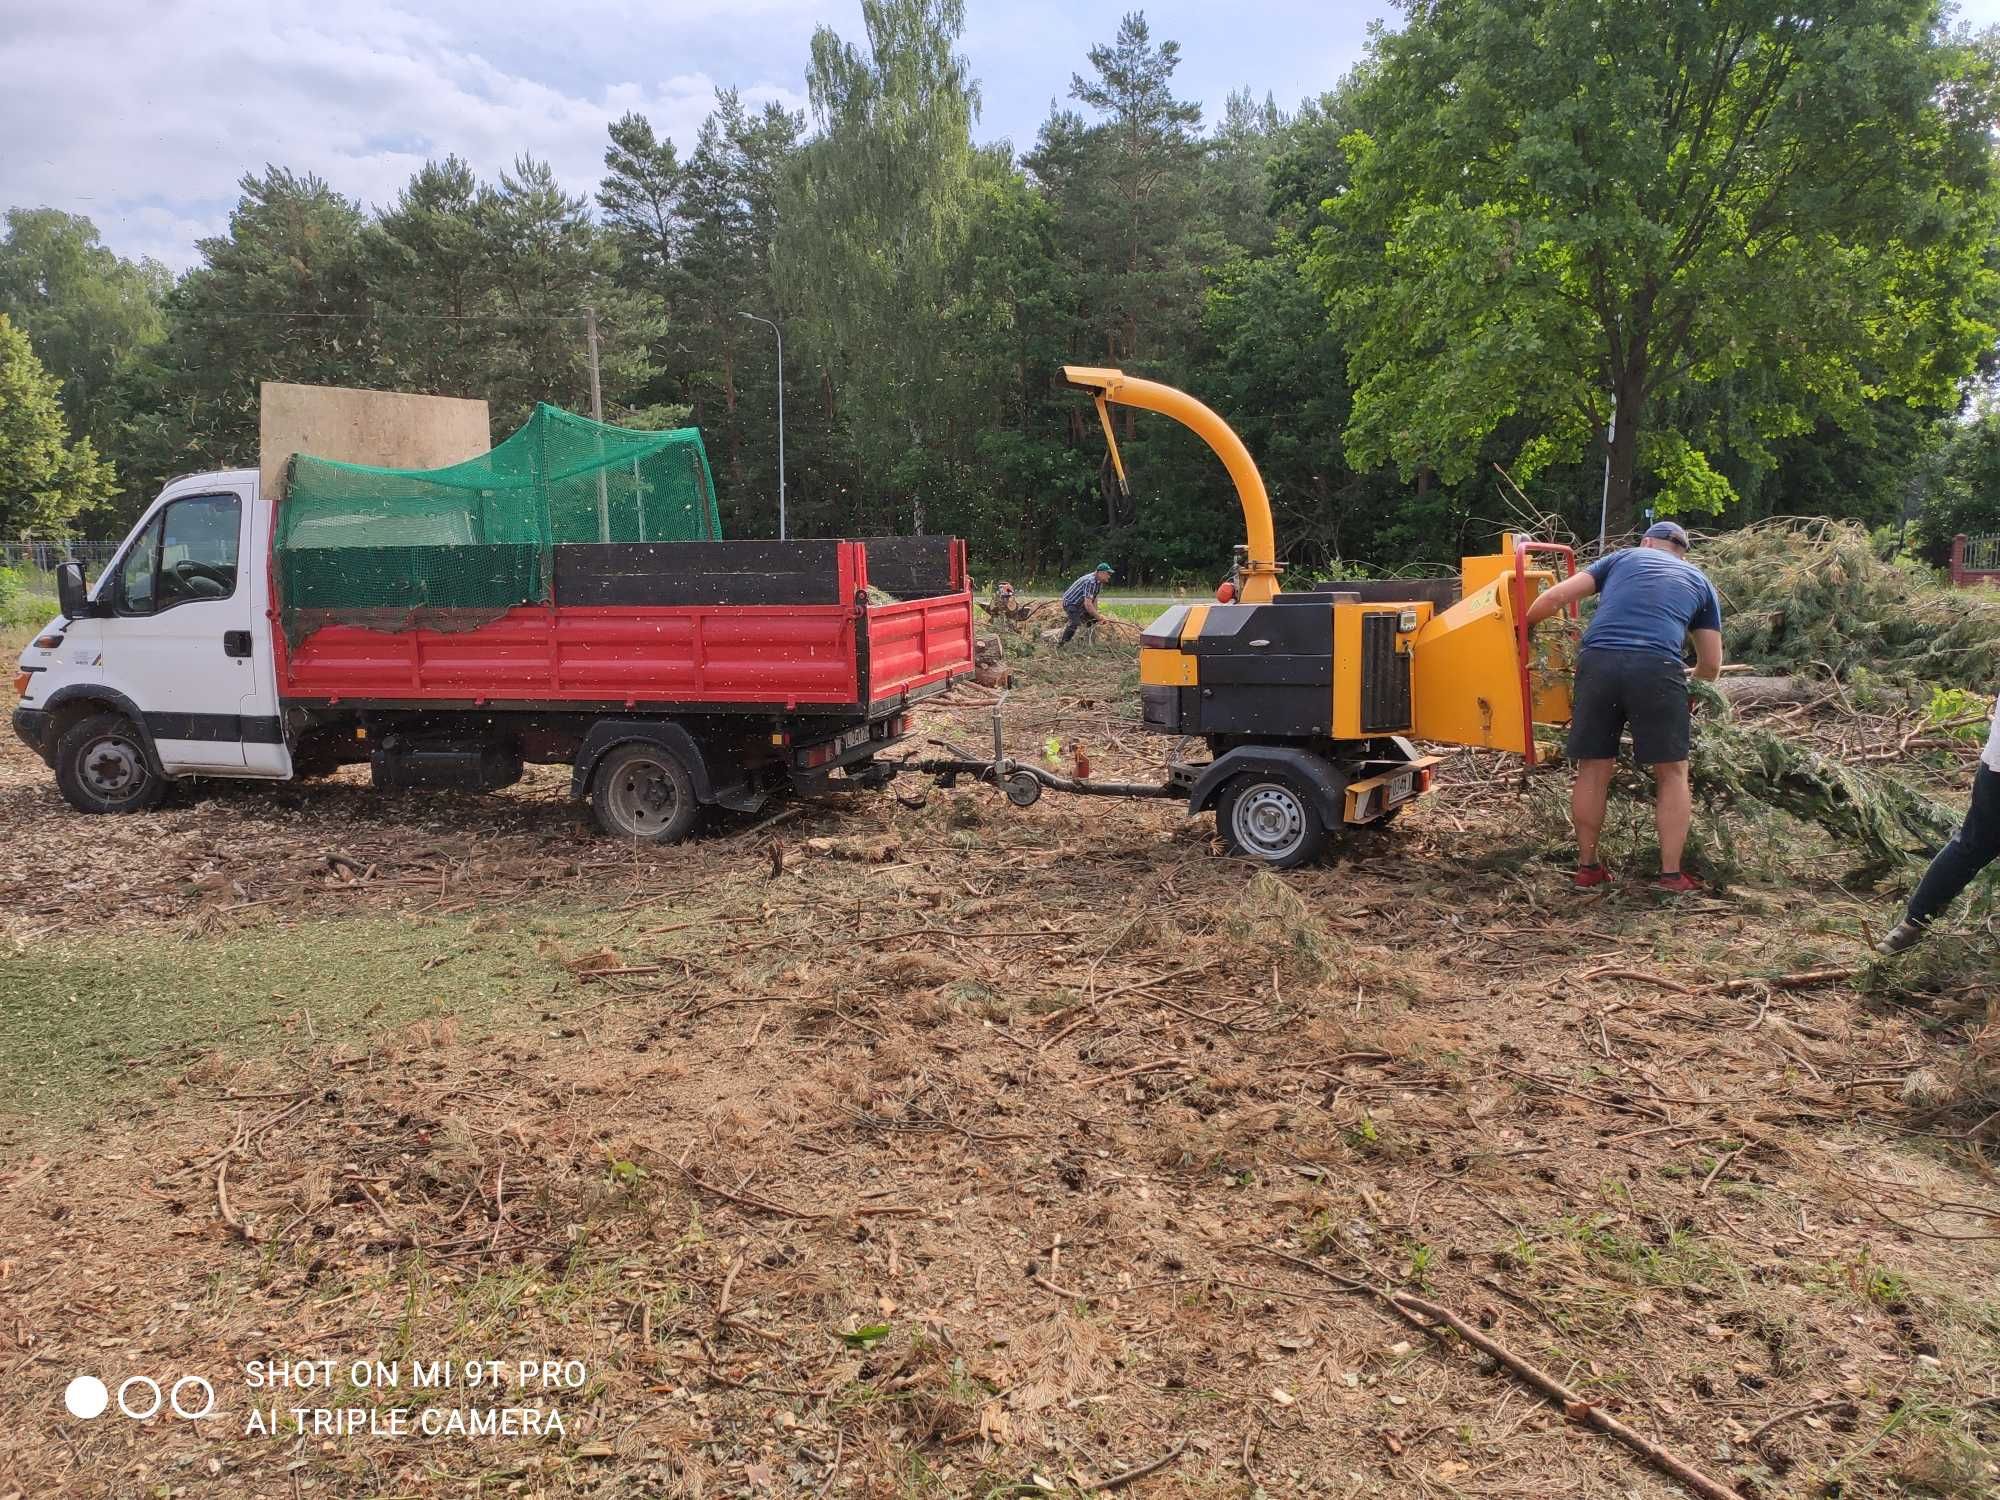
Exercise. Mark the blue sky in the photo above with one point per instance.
(143, 113)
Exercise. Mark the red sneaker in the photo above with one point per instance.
(1680, 883)
(1590, 875)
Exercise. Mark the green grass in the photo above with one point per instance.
(27, 600)
(87, 1021)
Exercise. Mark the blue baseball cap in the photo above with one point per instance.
(1667, 531)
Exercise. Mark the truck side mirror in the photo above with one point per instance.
(72, 598)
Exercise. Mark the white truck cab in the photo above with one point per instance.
(165, 668)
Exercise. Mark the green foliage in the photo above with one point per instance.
(1963, 490)
(1957, 714)
(1483, 203)
(879, 205)
(45, 479)
(1552, 204)
(87, 312)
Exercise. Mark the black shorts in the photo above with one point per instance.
(1640, 688)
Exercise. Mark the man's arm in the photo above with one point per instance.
(1708, 654)
(1550, 601)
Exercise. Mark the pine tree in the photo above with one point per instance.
(45, 479)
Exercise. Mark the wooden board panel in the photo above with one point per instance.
(389, 429)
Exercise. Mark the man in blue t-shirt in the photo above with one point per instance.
(1629, 671)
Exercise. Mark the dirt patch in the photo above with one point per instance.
(958, 1149)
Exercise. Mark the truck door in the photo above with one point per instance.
(178, 642)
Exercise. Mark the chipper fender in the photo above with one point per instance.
(1314, 772)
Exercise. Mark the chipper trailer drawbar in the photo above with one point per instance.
(1308, 700)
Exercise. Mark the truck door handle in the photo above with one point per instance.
(235, 643)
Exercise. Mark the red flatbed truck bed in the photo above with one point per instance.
(715, 627)
(740, 668)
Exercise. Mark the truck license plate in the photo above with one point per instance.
(852, 738)
(1402, 787)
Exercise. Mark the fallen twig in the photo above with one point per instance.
(1796, 1411)
(1434, 1319)
(1634, 974)
(1804, 979)
(1119, 1481)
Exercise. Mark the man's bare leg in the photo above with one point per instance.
(1673, 811)
(1587, 797)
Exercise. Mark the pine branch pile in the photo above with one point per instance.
(1872, 809)
(1812, 596)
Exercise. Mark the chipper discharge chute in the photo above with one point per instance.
(1309, 700)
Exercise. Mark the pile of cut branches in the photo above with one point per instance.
(1870, 808)
(1812, 596)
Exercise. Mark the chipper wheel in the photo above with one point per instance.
(1266, 816)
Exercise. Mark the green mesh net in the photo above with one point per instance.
(452, 548)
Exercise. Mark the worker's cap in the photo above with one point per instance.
(1104, 568)
(1667, 531)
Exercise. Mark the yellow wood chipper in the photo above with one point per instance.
(1309, 700)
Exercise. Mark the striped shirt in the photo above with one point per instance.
(1084, 588)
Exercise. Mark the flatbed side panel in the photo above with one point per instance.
(795, 656)
(918, 642)
(704, 574)
(728, 654)
(916, 567)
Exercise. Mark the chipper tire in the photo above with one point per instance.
(102, 767)
(1269, 817)
(642, 792)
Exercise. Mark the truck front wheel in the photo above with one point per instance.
(101, 767)
(642, 791)
(1264, 815)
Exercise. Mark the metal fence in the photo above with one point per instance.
(1982, 554)
(42, 557)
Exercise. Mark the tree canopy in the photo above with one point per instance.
(1557, 207)
(45, 479)
(1772, 234)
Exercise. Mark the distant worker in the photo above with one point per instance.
(1975, 846)
(1629, 671)
(1079, 601)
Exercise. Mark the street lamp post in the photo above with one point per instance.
(781, 414)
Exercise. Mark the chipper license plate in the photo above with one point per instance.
(1402, 788)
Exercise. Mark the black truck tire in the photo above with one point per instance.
(642, 792)
(102, 767)
(1267, 816)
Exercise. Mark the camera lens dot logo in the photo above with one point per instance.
(86, 1397)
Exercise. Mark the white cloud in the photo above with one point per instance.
(144, 116)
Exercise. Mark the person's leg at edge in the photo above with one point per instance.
(1587, 797)
(1972, 849)
(1673, 811)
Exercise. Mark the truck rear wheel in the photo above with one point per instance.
(1265, 816)
(101, 767)
(643, 792)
